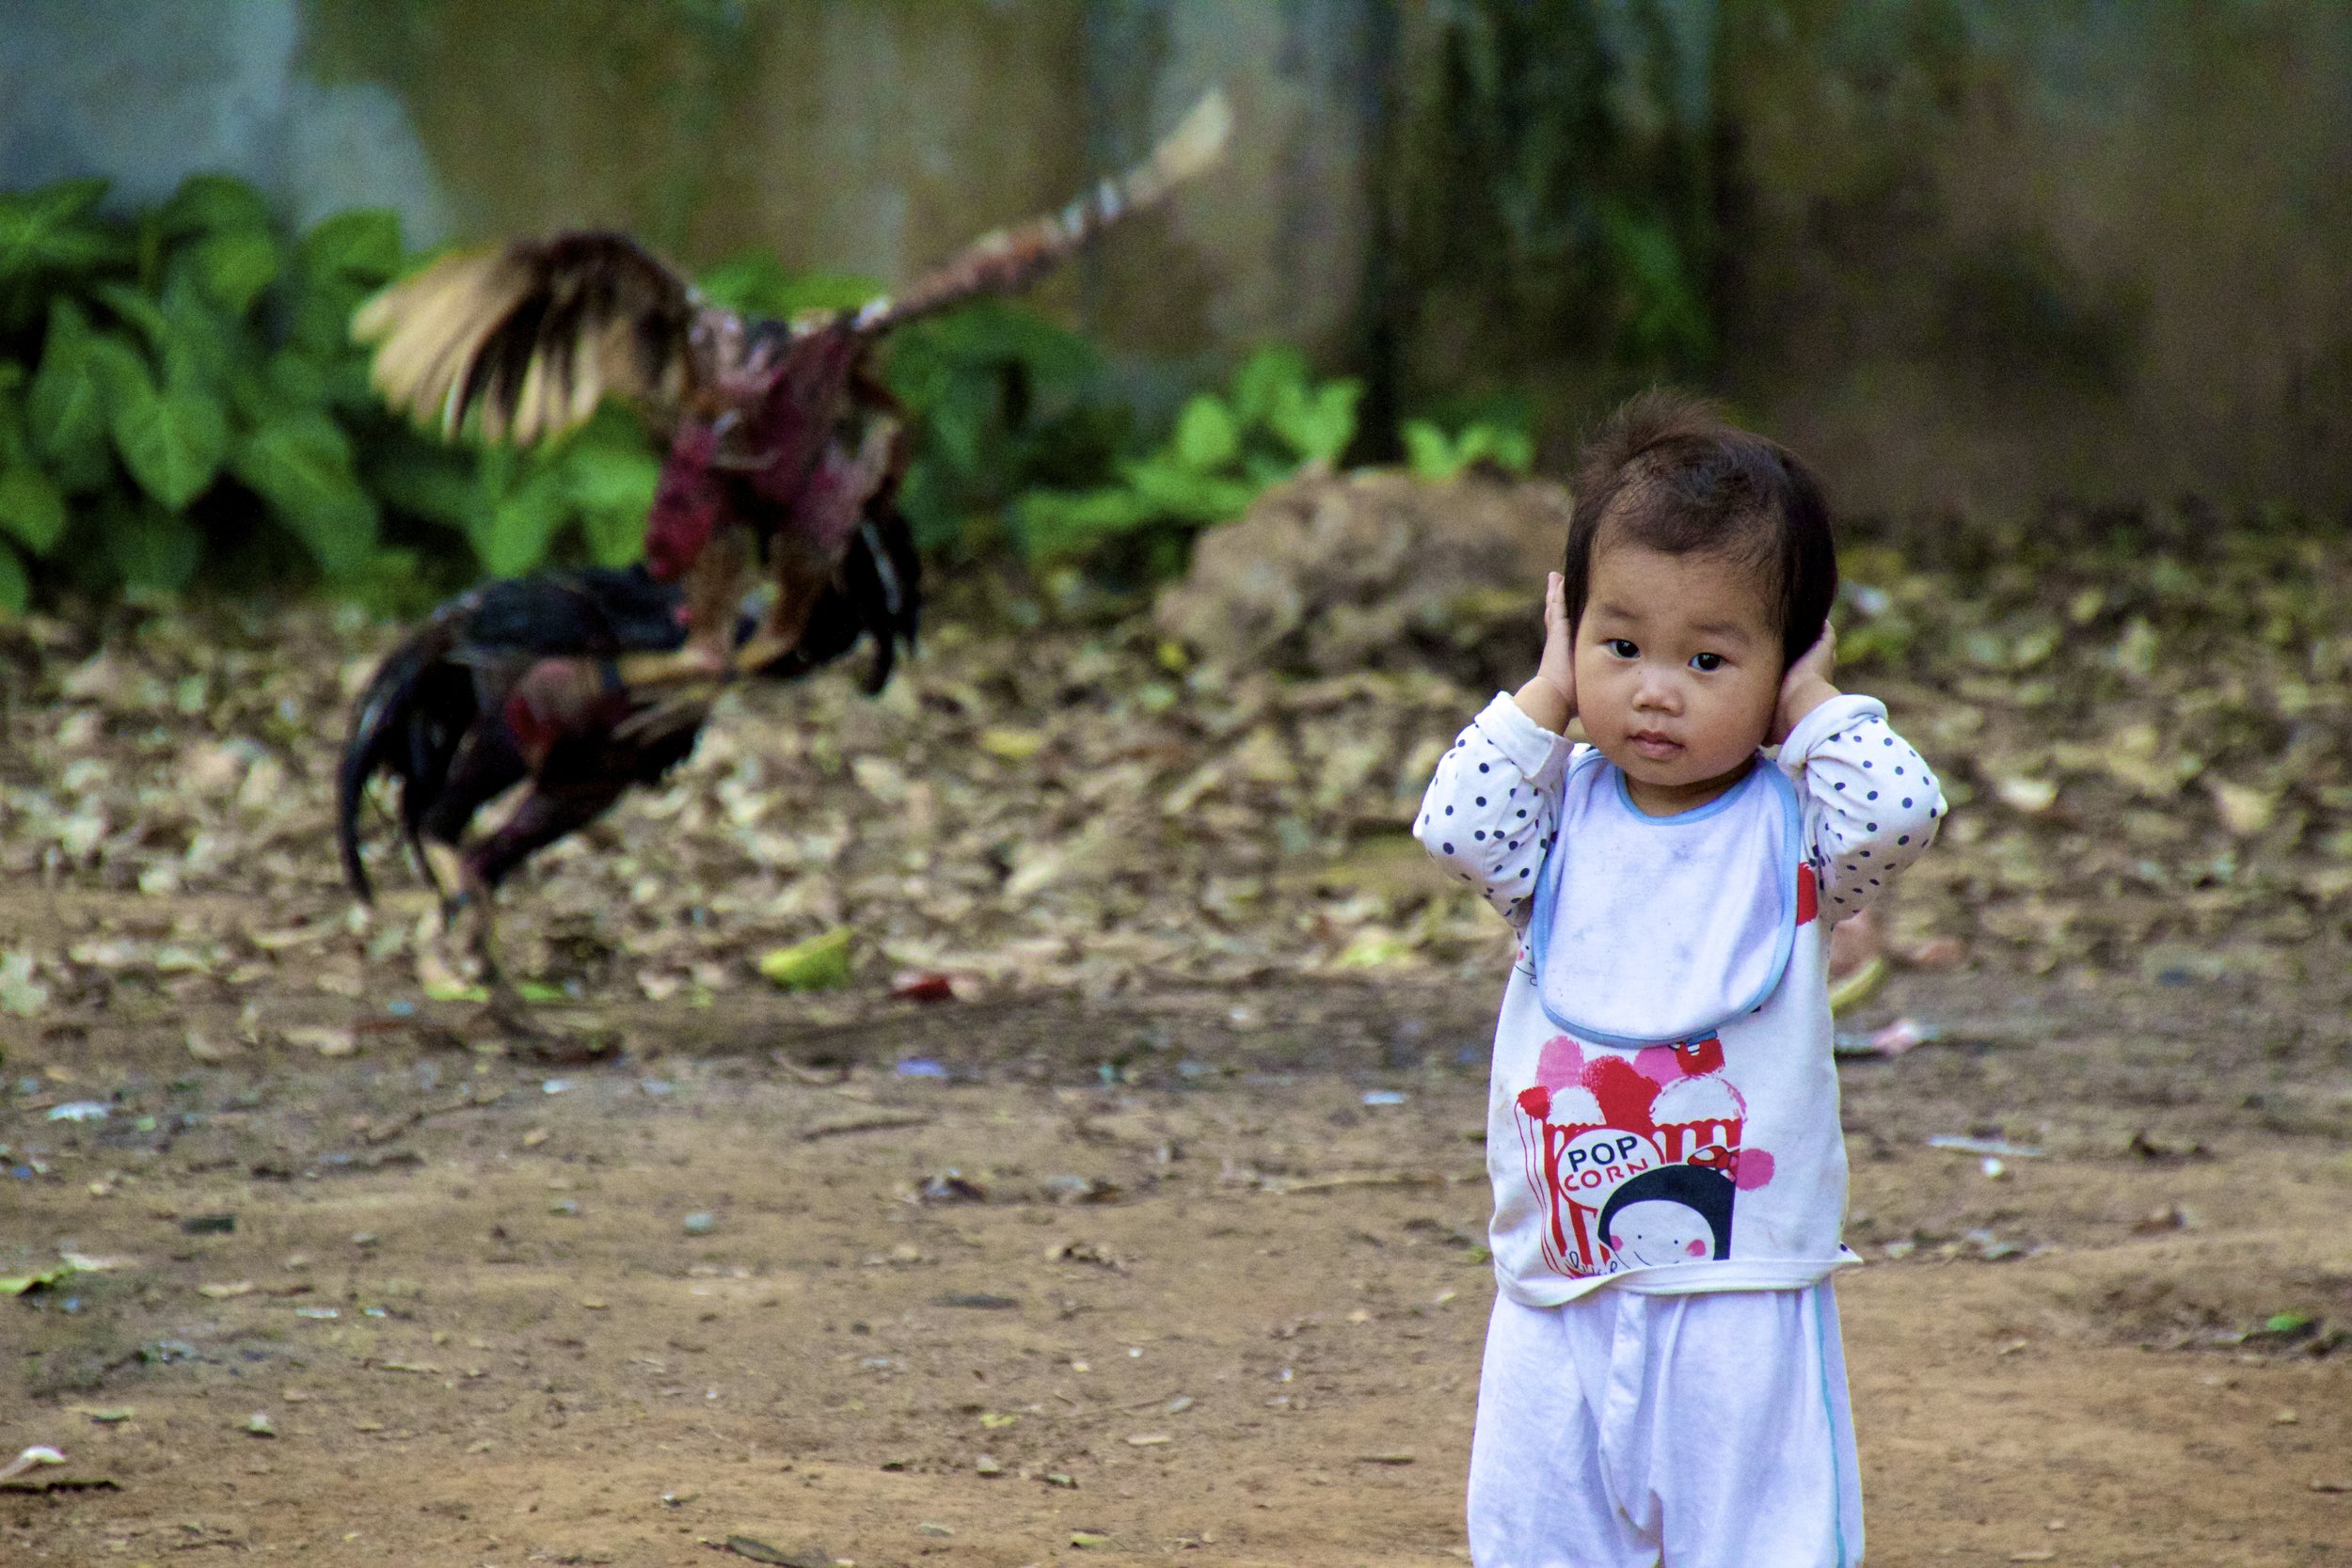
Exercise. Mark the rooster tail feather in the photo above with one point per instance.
(1010, 260)
(384, 739)
(886, 584)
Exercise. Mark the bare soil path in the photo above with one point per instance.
(1216, 1308)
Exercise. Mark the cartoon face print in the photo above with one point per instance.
(1671, 1214)
(1660, 1231)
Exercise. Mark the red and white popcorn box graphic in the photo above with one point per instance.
(1575, 1159)
(1699, 1121)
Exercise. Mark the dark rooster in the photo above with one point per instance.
(460, 712)
(784, 456)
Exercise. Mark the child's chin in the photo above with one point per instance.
(1671, 773)
(1683, 773)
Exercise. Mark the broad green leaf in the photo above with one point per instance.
(136, 308)
(213, 204)
(65, 404)
(1262, 469)
(994, 334)
(16, 588)
(515, 536)
(1207, 438)
(958, 417)
(361, 247)
(203, 344)
(172, 442)
(122, 370)
(614, 538)
(927, 499)
(442, 484)
(233, 266)
(1263, 379)
(289, 384)
(16, 442)
(1317, 424)
(612, 489)
(302, 467)
(1429, 451)
(1513, 450)
(1173, 490)
(56, 228)
(318, 315)
(32, 507)
(295, 379)
(1056, 523)
(154, 551)
(73, 394)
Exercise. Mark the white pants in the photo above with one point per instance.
(1707, 1431)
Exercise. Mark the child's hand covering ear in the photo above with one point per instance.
(1807, 687)
(1549, 698)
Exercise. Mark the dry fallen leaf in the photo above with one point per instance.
(1073, 807)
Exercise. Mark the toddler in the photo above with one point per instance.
(1664, 1378)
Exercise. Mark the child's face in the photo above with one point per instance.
(1677, 672)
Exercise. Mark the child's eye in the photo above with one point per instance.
(1622, 648)
(1706, 661)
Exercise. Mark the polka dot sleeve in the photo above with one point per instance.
(1872, 804)
(1490, 813)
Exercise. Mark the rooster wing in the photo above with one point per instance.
(534, 334)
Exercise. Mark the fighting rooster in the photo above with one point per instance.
(484, 697)
(785, 452)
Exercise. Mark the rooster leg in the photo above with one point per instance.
(447, 867)
(761, 650)
(653, 672)
(449, 932)
(543, 816)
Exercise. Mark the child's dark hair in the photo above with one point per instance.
(1669, 473)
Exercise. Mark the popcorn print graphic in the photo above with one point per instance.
(1635, 1156)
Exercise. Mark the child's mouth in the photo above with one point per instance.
(1658, 748)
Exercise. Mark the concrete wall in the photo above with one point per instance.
(1974, 253)
(2001, 253)
(148, 91)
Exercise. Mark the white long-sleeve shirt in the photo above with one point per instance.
(1711, 1161)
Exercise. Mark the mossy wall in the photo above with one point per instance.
(1960, 252)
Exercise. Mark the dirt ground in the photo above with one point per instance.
(1207, 1306)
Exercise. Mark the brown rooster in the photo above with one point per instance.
(784, 453)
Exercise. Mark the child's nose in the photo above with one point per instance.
(1656, 692)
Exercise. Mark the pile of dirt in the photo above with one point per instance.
(1375, 570)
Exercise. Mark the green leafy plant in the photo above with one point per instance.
(179, 392)
(167, 380)
(518, 508)
(1222, 453)
(1433, 454)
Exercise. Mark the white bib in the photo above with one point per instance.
(1654, 929)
